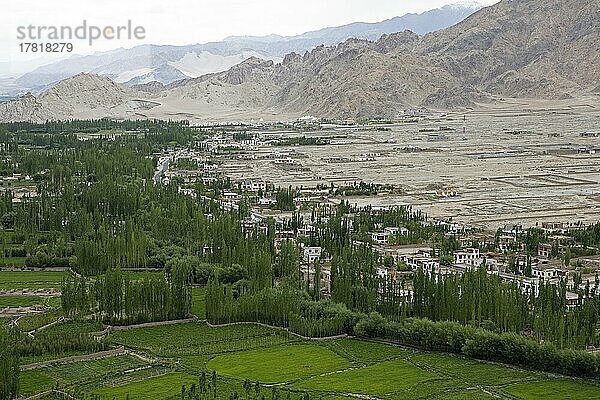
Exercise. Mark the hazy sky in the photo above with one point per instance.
(193, 21)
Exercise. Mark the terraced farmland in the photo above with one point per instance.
(161, 387)
(301, 361)
(76, 327)
(198, 338)
(337, 369)
(249, 358)
(30, 279)
(556, 389)
(68, 375)
(30, 322)
(21, 301)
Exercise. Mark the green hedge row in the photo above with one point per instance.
(509, 348)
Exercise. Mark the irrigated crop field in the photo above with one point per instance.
(68, 375)
(301, 361)
(333, 369)
(30, 279)
(20, 301)
(156, 362)
(195, 339)
(198, 302)
(157, 387)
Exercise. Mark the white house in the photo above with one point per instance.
(312, 253)
(546, 273)
(254, 186)
(383, 237)
(266, 201)
(380, 237)
(396, 231)
(466, 256)
(421, 261)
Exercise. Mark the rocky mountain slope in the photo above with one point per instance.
(546, 49)
(543, 49)
(82, 96)
(523, 48)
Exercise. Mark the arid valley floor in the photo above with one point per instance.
(516, 163)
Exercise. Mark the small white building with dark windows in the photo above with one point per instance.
(311, 254)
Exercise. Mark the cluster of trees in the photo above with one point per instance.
(470, 298)
(185, 164)
(170, 129)
(98, 197)
(7, 215)
(114, 247)
(43, 260)
(510, 348)
(479, 298)
(285, 199)
(285, 307)
(201, 272)
(588, 236)
(242, 136)
(344, 233)
(416, 222)
(360, 189)
(13, 252)
(354, 279)
(120, 300)
(9, 365)
(338, 227)
(57, 344)
(583, 241)
(207, 388)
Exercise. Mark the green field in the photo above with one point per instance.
(331, 370)
(35, 381)
(21, 301)
(161, 387)
(257, 365)
(470, 371)
(30, 279)
(194, 339)
(76, 327)
(380, 379)
(31, 322)
(199, 302)
(67, 375)
(557, 389)
(360, 351)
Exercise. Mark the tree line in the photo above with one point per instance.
(119, 300)
(509, 348)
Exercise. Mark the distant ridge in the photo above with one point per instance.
(536, 49)
(167, 64)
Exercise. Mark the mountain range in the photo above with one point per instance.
(166, 64)
(540, 49)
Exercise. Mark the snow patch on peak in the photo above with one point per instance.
(126, 76)
(197, 64)
(470, 4)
